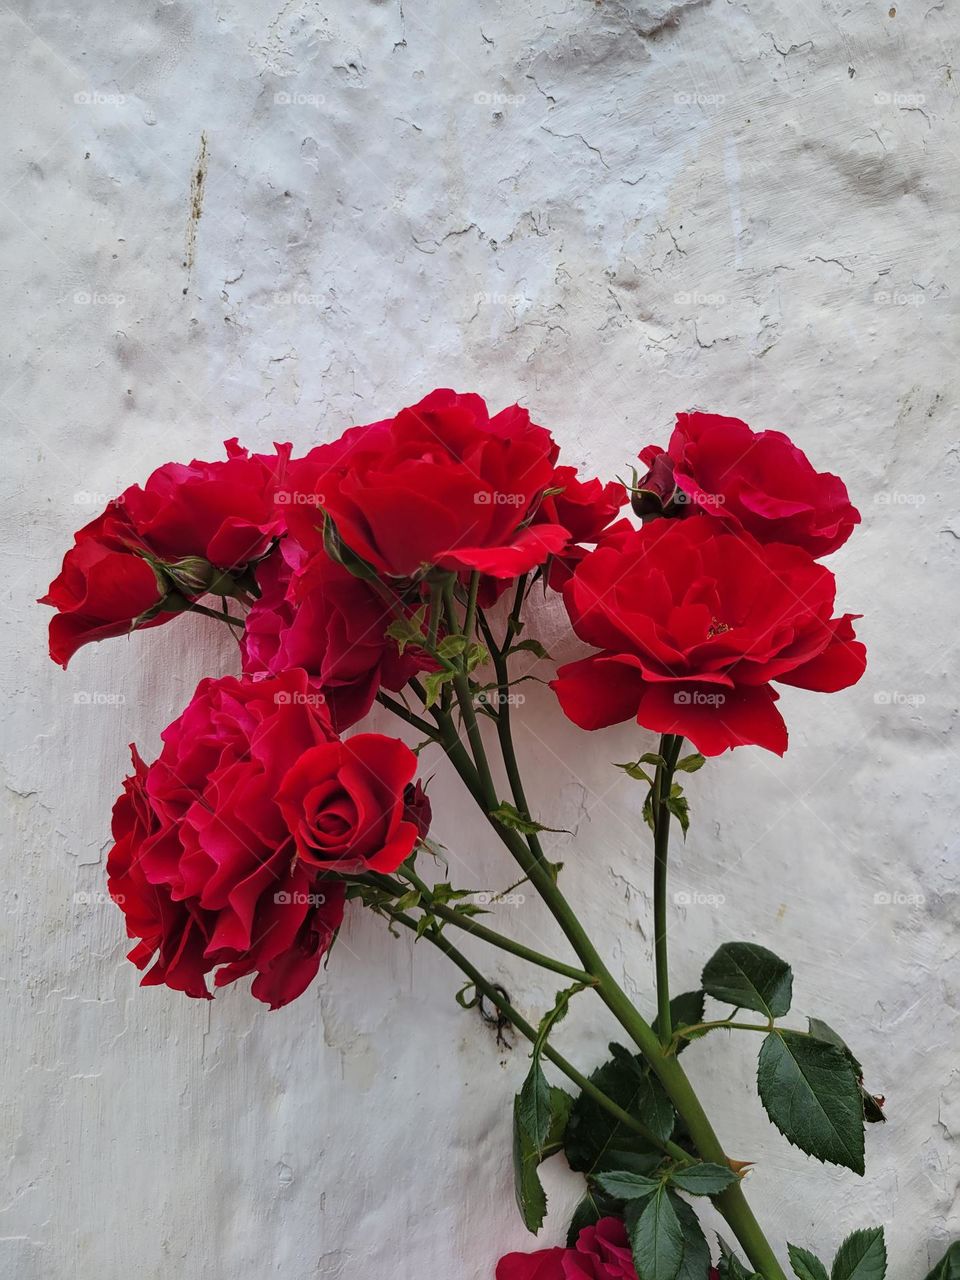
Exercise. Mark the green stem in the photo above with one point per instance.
(470, 618)
(516, 1019)
(662, 782)
(213, 613)
(472, 926)
(407, 716)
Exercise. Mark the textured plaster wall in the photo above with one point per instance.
(271, 221)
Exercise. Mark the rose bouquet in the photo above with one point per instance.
(395, 566)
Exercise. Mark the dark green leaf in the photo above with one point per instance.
(948, 1268)
(656, 1237)
(704, 1179)
(678, 806)
(690, 764)
(686, 1010)
(589, 1210)
(407, 900)
(593, 1134)
(730, 1267)
(696, 1251)
(624, 1185)
(534, 1108)
(810, 1092)
(651, 757)
(749, 977)
(531, 1197)
(862, 1256)
(872, 1107)
(805, 1265)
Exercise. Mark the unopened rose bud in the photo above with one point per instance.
(194, 576)
(416, 808)
(656, 493)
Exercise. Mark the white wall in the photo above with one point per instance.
(588, 235)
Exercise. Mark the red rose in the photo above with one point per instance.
(585, 509)
(204, 866)
(318, 616)
(156, 548)
(756, 480)
(441, 484)
(344, 804)
(693, 624)
(103, 590)
(223, 512)
(602, 1252)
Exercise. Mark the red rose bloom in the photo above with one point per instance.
(318, 616)
(103, 590)
(204, 865)
(756, 480)
(156, 547)
(585, 509)
(344, 804)
(441, 484)
(223, 512)
(602, 1252)
(693, 624)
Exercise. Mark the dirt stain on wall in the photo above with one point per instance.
(198, 183)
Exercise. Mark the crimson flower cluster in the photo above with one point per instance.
(602, 1252)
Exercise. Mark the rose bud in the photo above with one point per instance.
(656, 494)
(417, 808)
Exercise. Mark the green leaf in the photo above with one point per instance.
(590, 1210)
(948, 1268)
(623, 1185)
(862, 1256)
(452, 646)
(509, 816)
(634, 771)
(678, 805)
(528, 646)
(539, 1118)
(810, 1091)
(686, 1010)
(805, 1265)
(872, 1107)
(690, 764)
(408, 900)
(730, 1267)
(696, 1251)
(531, 1197)
(704, 1179)
(593, 1135)
(656, 1237)
(433, 682)
(749, 977)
